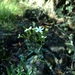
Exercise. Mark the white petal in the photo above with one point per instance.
(30, 28)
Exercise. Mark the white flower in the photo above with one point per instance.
(19, 35)
(28, 29)
(43, 36)
(39, 29)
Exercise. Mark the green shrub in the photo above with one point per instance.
(8, 10)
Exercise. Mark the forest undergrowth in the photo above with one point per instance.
(37, 37)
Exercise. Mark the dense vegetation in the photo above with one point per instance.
(37, 37)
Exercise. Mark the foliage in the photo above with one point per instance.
(34, 37)
(9, 10)
(65, 9)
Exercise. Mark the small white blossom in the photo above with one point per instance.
(39, 29)
(43, 36)
(19, 35)
(28, 29)
(67, 2)
(69, 51)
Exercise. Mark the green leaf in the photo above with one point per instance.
(8, 71)
(69, 8)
